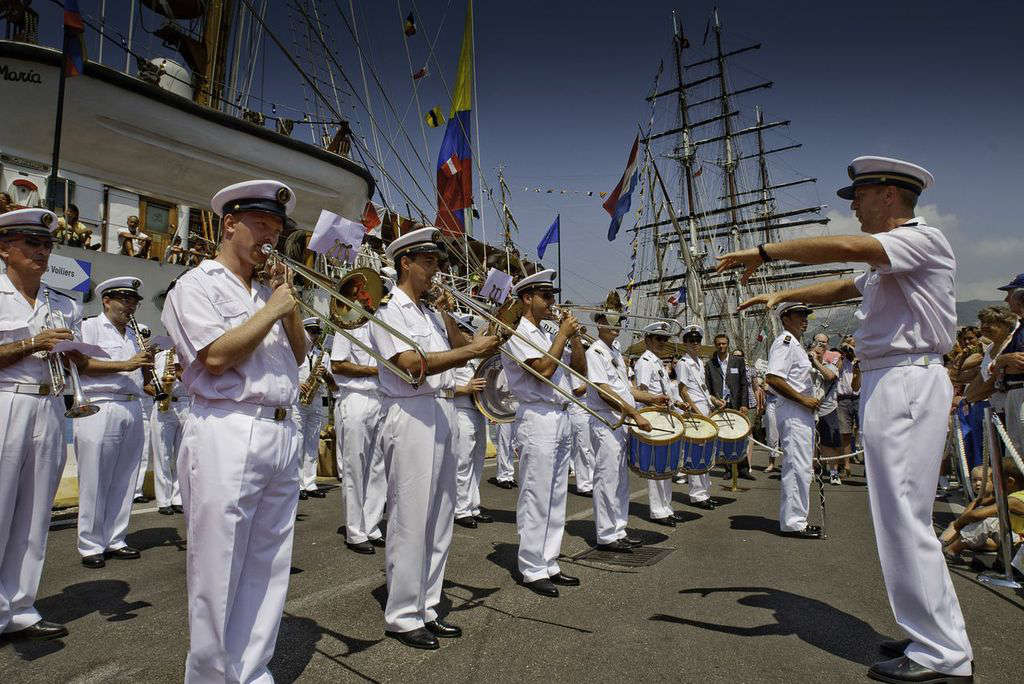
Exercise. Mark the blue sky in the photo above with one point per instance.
(560, 89)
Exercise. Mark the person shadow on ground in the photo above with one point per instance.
(106, 597)
(298, 639)
(155, 537)
(815, 622)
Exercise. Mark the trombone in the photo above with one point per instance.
(80, 405)
(509, 330)
(161, 393)
(600, 309)
(347, 314)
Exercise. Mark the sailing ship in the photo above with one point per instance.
(727, 199)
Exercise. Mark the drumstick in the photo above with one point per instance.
(654, 429)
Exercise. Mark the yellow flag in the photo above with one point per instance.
(434, 117)
(461, 99)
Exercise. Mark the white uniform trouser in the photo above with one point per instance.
(904, 413)
(238, 481)
(544, 439)
(506, 471)
(357, 419)
(659, 495)
(310, 420)
(1015, 417)
(796, 430)
(771, 424)
(165, 430)
(32, 454)
(700, 487)
(148, 446)
(611, 482)
(417, 436)
(107, 446)
(470, 446)
(582, 449)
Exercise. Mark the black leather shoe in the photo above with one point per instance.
(416, 638)
(632, 541)
(94, 561)
(667, 522)
(467, 521)
(442, 629)
(123, 553)
(165, 510)
(706, 504)
(303, 495)
(41, 631)
(903, 669)
(365, 548)
(617, 546)
(316, 493)
(586, 493)
(505, 484)
(483, 518)
(379, 542)
(803, 534)
(177, 508)
(895, 647)
(544, 587)
(678, 517)
(813, 528)
(141, 499)
(565, 580)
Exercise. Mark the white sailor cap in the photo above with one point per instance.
(612, 317)
(792, 307)
(388, 272)
(421, 241)
(660, 328)
(539, 280)
(885, 171)
(691, 329)
(121, 285)
(40, 222)
(270, 196)
(145, 330)
(311, 322)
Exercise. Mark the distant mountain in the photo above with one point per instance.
(967, 312)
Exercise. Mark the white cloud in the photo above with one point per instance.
(985, 259)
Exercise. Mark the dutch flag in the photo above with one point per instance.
(619, 199)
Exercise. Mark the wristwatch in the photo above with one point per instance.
(764, 255)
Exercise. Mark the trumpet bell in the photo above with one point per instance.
(361, 285)
(494, 400)
(81, 410)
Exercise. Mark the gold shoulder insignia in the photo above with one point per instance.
(786, 339)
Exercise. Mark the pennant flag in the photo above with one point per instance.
(454, 159)
(619, 199)
(410, 25)
(74, 44)
(699, 171)
(420, 74)
(678, 297)
(550, 237)
(434, 117)
(371, 217)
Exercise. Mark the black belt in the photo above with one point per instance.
(1014, 385)
(848, 396)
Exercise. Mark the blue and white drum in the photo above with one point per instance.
(733, 433)
(698, 443)
(655, 455)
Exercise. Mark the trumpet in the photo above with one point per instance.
(80, 405)
(315, 377)
(365, 286)
(161, 392)
(168, 381)
(570, 308)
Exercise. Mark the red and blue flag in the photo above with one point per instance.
(74, 39)
(455, 159)
(620, 198)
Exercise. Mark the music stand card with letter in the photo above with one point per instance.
(337, 237)
(497, 286)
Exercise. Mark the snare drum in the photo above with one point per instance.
(733, 432)
(698, 443)
(655, 455)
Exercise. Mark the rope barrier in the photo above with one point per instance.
(961, 454)
(778, 452)
(1007, 441)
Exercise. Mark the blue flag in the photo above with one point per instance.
(549, 237)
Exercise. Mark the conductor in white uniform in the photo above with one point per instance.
(907, 322)
(789, 374)
(417, 436)
(543, 432)
(240, 343)
(32, 446)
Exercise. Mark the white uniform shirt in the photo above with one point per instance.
(207, 302)
(788, 359)
(20, 321)
(345, 349)
(845, 384)
(304, 372)
(690, 372)
(828, 392)
(463, 374)
(160, 370)
(605, 366)
(909, 307)
(651, 375)
(523, 384)
(100, 331)
(423, 325)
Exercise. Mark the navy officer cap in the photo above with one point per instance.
(872, 170)
(270, 196)
(1014, 284)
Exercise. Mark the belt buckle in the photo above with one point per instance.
(280, 413)
(44, 390)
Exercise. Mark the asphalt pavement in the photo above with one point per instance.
(726, 600)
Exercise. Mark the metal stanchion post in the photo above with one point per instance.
(1005, 533)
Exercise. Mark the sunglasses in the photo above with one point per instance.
(37, 242)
